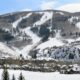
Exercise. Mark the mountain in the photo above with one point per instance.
(47, 34)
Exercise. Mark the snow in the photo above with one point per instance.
(41, 76)
(58, 36)
(6, 50)
(20, 19)
(76, 67)
(50, 43)
(70, 40)
(78, 39)
(34, 38)
(26, 50)
(56, 41)
(17, 51)
(23, 51)
(78, 46)
(73, 18)
(78, 25)
(60, 13)
(44, 18)
(74, 7)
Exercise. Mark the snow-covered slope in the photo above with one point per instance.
(34, 37)
(56, 41)
(15, 24)
(50, 43)
(47, 16)
(6, 51)
(35, 40)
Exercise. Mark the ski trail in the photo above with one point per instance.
(15, 24)
(35, 38)
(44, 18)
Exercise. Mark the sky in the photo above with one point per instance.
(7, 6)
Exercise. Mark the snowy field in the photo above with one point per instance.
(42, 76)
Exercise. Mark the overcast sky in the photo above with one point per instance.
(18, 5)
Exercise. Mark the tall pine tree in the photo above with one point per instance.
(13, 77)
(21, 77)
(5, 74)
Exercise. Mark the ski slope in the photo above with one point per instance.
(46, 16)
(33, 36)
(35, 40)
(50, 43)
(56, 41)
(20, 19)
(6, 51)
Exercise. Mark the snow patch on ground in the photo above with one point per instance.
(72, 19)
(78, 25)
(78, 39)
(50, 43)
(70, 40)
(29, 75)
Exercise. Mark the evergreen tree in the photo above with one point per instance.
(13, 77)
(21, 77)
(5, 74)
